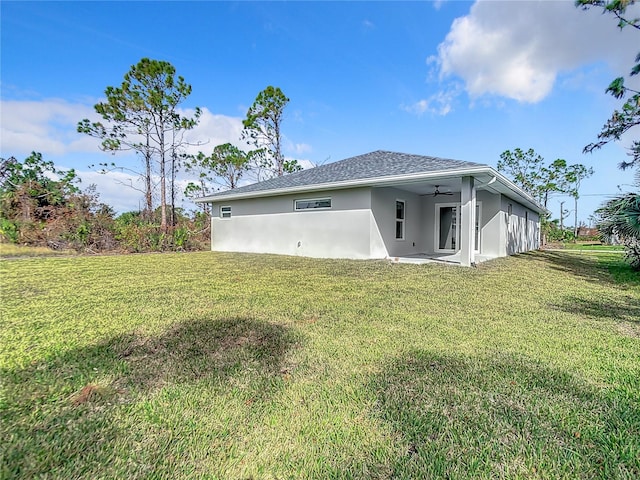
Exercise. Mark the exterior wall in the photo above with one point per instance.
(490, 224)
(491, 244)
(521, 229)
(270, 225)
(348, 199)
(383, 206)
(361, 224)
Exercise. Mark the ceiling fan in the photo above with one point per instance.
(438, 192)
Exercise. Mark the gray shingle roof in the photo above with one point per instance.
(378, 164)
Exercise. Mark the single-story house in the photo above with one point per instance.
(380, 205)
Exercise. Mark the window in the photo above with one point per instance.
(313, 204)
(509, 213)
(526, 223)
(225, 212)
(399, 219)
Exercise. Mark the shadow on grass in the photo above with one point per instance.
(65, 417)
(586, 267)
(621, 309)
(504, 417)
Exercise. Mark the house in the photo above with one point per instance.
(380, 205)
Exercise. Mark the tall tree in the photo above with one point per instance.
(263, 129)
(142, 115)
(529, 172)
(574, 177)
(228, 163)
(225, 167)
(628, 116)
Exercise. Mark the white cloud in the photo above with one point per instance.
(306, 164)
(440, 103)
(437, 4)
(47, 126)
(368, 24)
(213, 130)
(115, 189)
(516, 49)
(292, 148)
(301, 148)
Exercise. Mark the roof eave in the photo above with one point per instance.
(521, 195)
(363, 182)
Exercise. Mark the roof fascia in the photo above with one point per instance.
(519, 194)
(363, 182)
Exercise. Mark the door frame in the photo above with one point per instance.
(436, 230)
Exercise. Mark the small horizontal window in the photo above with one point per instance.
(314, 203)
(225, 212)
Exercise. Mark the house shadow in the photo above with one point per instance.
(66, 414)
(500, 417)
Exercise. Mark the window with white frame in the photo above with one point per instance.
(400, 214)
(313, 204)
(225, 212)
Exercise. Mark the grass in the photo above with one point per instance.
(11, 250)
(208, 365)
(593, 246)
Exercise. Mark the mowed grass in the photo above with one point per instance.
(593, 246)
(232, 366)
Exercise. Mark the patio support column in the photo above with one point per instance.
(467, 222)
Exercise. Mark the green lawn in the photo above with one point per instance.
(593, 246)
(230, 366)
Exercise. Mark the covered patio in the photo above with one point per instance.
(447, 258)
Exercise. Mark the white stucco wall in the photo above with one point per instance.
(490, 223)
(383, 206)
(347, 199)
(521, 229)
(361, 224)
(271, 225)
(323, 234)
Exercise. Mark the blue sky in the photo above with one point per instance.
(463, 80)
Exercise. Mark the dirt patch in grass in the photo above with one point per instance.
(194, 350)
(72, 424)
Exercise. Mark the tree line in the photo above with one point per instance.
(142, 116)
(540, 180)
(40, 204)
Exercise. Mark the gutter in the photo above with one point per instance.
(361, 182)
(377, 182)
